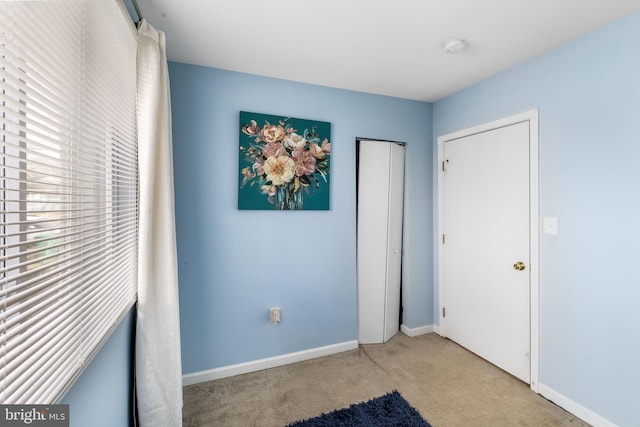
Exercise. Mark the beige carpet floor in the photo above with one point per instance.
(447, 384)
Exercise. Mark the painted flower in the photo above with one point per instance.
(269, 190)
(247, 175)
(271, 133)
(294, 141)
(305, 163)
(279, 170)
(316, 151)
(250, 129)
(246, 172)
(274, 149)
(258, 165)
(326, 146)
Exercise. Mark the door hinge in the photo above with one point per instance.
(443, 166)
(444, 312)
(443, 239)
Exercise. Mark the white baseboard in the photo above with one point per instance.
(414, 332)
(576, 409)
(269, 362)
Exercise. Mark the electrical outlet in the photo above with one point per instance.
(274, 315)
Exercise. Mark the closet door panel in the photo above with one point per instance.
(394, 241)
(373, 190)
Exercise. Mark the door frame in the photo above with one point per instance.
(534, 302)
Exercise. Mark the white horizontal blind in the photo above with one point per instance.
(68, 174)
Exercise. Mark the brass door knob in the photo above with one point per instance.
(519, 266)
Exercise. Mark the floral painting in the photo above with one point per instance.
(284, 163)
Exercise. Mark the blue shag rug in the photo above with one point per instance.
(390, 410)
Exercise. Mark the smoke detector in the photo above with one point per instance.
(454, 45)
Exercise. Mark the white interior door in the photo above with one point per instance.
(486, 245)
(394, 245)
(380, 212)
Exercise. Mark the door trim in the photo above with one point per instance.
(534, 301)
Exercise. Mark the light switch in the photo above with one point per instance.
(550, 225)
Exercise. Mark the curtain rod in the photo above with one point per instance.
(140, 17)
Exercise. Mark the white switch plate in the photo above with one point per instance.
(550, 225)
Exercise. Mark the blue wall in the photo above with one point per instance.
(235, 265)
(588, 96)
(102, 395)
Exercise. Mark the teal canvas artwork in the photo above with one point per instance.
(284, 163)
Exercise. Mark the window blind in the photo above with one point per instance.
(68, 173)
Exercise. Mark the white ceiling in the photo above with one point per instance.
(377, 46)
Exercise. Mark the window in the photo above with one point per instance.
(68, 175)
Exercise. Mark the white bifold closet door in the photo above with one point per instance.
(380, 210)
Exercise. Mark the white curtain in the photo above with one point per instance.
(158, 359)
